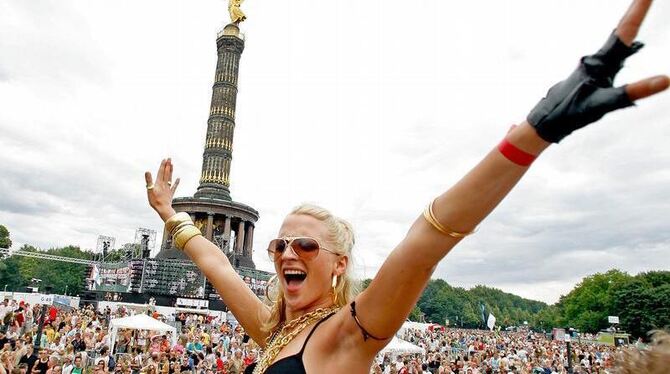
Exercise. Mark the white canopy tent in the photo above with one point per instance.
(139, 322)
(408, 325)
(416, 325)
(398, 345)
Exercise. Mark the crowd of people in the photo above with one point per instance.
(480, 351)
(77, 341)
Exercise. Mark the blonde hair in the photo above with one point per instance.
(653, 360)
(342, 235)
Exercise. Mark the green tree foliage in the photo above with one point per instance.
(641, 302)
(9, 273)
(547, 318)
(588, 305)
(462, 307)
(5, 241)
(415, 315)
(17, 271)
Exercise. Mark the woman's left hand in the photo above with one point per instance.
(588, 93)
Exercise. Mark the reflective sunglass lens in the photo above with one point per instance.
(276, 248)
(305, 248)
(305, 244)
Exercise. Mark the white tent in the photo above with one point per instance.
(139, 322)
(416, 325)
(408, 325)
(398, 345)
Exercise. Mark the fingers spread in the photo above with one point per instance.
(647, 87)
(632, 20)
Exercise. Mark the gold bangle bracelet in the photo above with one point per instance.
(430, 217)
(180, 226)
(175, 220)
(186, 233)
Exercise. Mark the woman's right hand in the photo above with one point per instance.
(161, 192)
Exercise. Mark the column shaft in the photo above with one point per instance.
(239, 242)
(248, 237)
(210, 226)
(226, 228)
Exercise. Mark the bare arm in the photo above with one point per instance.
(408, 268)
(245, 305)
(386, 303)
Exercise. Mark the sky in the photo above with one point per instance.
(368, 108)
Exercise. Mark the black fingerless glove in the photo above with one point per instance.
(586, 96)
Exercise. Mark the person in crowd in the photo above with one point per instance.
(315, 322)
(78, 343)
(77, 367)
(29, 358)
(3, 340)
(6, 362)
(41, 365)
(236, 363)
(67, 364)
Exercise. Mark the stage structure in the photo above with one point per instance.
(212, 208)
(145, 241)
(104, 246)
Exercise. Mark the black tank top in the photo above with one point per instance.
(290, 364)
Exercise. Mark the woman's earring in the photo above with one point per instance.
(268, 285)
(334, 284)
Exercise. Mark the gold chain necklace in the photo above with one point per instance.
(277, 341)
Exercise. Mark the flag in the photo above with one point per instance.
(491, 321)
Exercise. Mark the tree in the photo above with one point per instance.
(10, 274)
(17, 271)
(415, 315)
(5, 241)
(461, 307)
(643, 303)
(589, 304)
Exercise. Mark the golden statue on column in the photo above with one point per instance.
(236, 14)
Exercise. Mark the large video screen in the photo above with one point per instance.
(176, 277)
(114, 277)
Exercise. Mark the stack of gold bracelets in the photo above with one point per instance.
(430, 217)
(181, 228)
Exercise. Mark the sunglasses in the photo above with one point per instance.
(303, 246)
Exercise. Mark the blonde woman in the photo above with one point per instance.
(314, 323)
(6, 362)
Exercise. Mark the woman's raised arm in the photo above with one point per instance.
(584, 97)
(245, 305)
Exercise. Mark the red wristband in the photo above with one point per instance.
(514, 154)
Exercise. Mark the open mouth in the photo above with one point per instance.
(294, 278)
